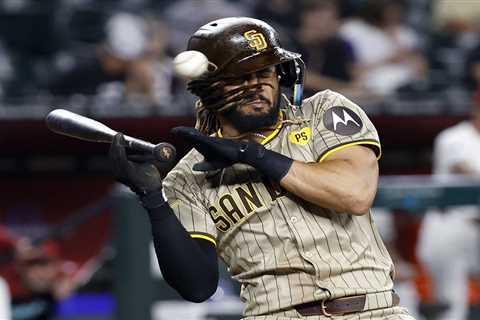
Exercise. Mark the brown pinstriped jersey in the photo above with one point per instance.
(282, 249)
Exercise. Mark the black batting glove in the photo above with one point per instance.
(138, 172)
(220, 153)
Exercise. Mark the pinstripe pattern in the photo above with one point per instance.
(393, 313)
(283, 250)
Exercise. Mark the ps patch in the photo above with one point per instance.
(342, 121)
(301, 136)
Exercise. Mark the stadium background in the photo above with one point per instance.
(111, 60)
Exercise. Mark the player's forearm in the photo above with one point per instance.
(335, 184)
(188, 265)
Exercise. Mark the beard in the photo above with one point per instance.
(250, 122)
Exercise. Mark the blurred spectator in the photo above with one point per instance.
(454, 35)
(150, 77)
(35, 277)
(124, 42)
(130, 64)
(472, 69)
(330, 59)
(449, 243)
(185, 16)
(38, 270)
(460, 16)
(387, 51)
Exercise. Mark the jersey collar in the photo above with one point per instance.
(271, 136)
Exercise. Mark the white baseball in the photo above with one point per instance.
(190, 64)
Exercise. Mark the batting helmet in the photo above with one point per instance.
(241, 45)
(235, 47)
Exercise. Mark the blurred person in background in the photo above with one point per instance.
(460, 16)
(35, 276)
(449, 240)
(455, 26)
(150, 78)
(41, 281)
(472, 69)
(130, 64)
(124, 42)
(387, 50)
(330, 58)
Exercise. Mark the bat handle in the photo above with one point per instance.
(164, 152)
(138, 144)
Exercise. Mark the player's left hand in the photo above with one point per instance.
(135, 171)
(219, 153)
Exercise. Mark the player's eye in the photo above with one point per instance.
(265, 73)
(235, 81)
(261, 74)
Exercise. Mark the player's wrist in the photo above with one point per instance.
(152, 199)
(270, 163)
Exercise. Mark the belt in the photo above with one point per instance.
(338, 307)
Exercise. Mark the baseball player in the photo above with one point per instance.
(280, 191)
(449, 239)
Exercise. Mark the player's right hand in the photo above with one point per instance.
(135, 171)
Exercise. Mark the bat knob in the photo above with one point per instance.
(164, 152)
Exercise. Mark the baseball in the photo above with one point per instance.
(190, 64)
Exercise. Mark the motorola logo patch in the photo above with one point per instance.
(342, 121)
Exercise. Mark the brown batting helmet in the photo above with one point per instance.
(241, 45)
(235, 47)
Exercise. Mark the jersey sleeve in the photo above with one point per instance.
(449, 150)
(338, 123)
(183, 195)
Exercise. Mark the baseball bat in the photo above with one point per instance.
(74, 125)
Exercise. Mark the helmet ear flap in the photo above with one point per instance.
(291, 75)
(288, 73)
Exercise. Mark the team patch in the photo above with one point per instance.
(301, 136)
(255, 40)
(342, 121)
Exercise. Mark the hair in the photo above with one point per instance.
(207, 122)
